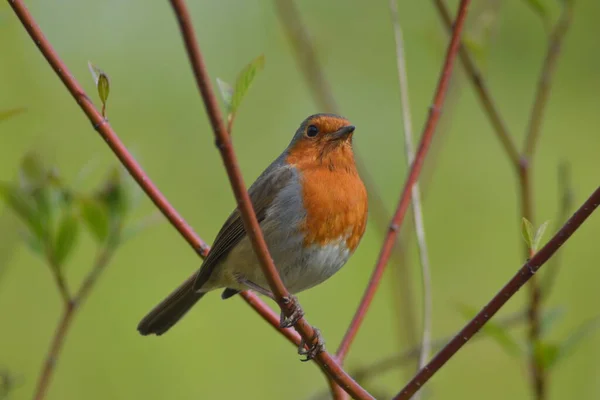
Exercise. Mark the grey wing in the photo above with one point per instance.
(262, 193)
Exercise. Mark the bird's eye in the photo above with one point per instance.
(312, 131)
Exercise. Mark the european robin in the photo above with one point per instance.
(312, 208)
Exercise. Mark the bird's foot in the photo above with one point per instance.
(291, 303)
(316, 346)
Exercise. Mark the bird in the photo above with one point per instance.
(312, 208)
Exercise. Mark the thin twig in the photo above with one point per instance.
(426, 137)
(416, 193)
(518, 280)
(61, 284)
(251, 225)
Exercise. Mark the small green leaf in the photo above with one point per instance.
(103, 87)
(102, 84)
(495, 331)
(6, 114)
(113, 195)
(23, 206)
(527, 231)
(547, 354)
(226, 93)
(244, 81)
(95, 215)
(66, 237)
(538, 235)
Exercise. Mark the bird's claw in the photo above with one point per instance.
(296, 312)
(317, 345)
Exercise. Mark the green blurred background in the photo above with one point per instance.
(222, 349)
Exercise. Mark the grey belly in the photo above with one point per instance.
(300, 268)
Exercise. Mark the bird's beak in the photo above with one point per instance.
(343, 132)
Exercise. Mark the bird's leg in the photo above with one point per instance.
(316, 346)
(290, 302)
(296, 314)
(253, 286)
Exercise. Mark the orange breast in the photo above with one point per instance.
(334, 196)
(336, 206)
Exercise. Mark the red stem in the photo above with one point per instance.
(251, 225)
(518, 280)
(428, 131)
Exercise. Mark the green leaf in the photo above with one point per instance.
(102, 83)
(527, 231)
(113, 195)
(24, 207)
(547, 354)
(66, 237)
(226, 93)
(95, 215)
(538, 235)
(6, 114)
(244, 81)
(495, 331)
(103, 87)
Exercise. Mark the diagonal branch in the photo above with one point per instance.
(517, 281)
(427, 136)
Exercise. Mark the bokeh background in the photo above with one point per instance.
(222, 349)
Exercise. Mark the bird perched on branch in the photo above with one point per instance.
(312, 208)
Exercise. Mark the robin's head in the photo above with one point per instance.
(323, 138)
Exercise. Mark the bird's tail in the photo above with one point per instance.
(170, 310)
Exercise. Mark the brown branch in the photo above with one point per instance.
(482, 91)
(110, 137)
(251, 225)
(427, 136)
(518, 280)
